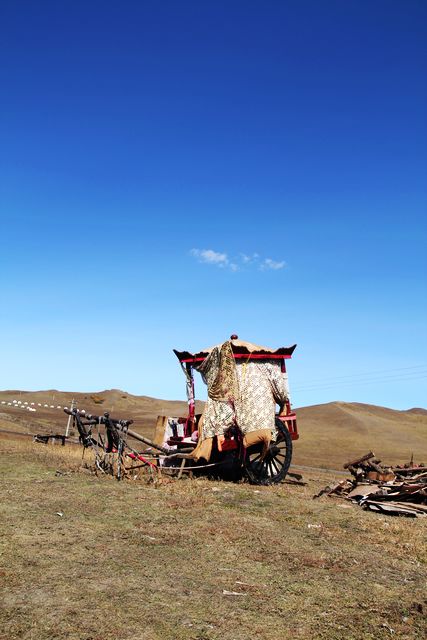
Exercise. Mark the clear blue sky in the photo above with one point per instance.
(173, 172)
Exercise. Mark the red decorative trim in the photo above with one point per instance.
(290, 422)
(255, 356)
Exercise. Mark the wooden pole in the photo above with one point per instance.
(67, 430)
(135, 435)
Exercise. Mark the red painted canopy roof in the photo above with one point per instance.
(240, 349)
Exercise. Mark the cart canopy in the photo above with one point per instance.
(245, 381)
(241, 349)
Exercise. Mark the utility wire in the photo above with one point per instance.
(361, 382)
(421, 374)
(367, 373)
(412, 374)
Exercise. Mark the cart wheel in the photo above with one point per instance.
(275, 465)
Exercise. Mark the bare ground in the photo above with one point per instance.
(152, 561)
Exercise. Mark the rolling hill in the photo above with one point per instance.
(334, 433)
(330, 434)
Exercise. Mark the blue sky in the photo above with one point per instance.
(174, 172)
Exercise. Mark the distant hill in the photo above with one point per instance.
(422, 412)
(331, 434)
(142, 409)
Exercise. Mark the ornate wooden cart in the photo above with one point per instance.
(176, 438)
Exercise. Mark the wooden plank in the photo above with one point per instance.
(354, 463)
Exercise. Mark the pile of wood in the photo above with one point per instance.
(400, 490)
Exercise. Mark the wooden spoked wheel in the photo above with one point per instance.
(273, 467)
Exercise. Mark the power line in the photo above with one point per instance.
(421, 374)
(367, 373)
(356, 383)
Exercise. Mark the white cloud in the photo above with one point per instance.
(210, 256)
(268, 263)
(249, 259)
(241, 262)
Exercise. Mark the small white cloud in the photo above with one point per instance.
(240, 262)
(248, 259)
(210, 256)
(268, 263)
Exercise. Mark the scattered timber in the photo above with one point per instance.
(384, 489)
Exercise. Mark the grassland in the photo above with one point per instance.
(330, 433)
(335, 432)
(147, 561)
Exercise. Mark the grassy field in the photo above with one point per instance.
(330, 434)
(335, 432)
(146, 561)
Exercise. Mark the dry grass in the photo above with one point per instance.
(330, 433)
(149, 562)
(336, 432)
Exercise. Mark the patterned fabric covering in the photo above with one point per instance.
(219, 373)
(241, 392)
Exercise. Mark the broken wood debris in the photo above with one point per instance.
(399, 490)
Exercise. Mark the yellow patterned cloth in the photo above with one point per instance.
(219, 373)
(241, 392)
